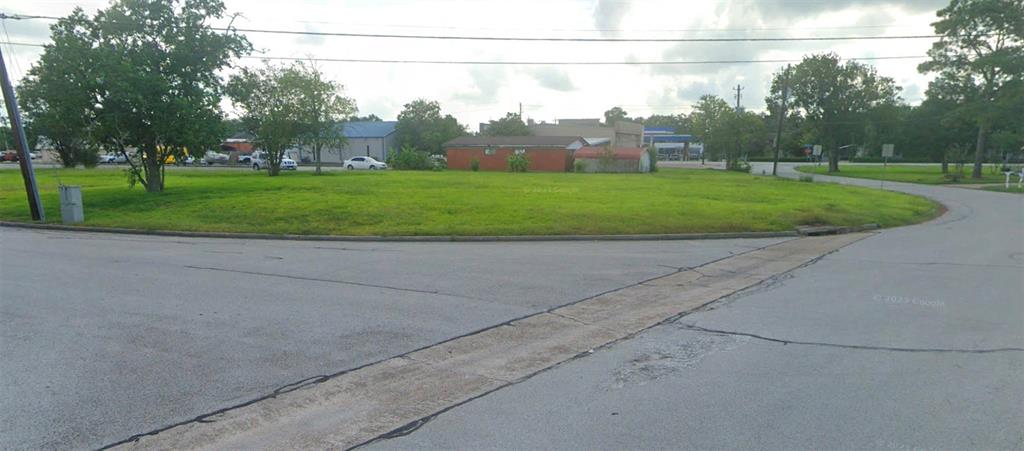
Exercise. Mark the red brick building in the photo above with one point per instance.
(545, 153)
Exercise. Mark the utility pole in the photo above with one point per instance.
(520, 110)
(739, 146)
(782, 115)
(24, 157)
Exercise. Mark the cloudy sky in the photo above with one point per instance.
(475, 93)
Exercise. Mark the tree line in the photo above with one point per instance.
(144, 76)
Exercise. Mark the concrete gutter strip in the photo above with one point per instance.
(399, 394)
(404, 238)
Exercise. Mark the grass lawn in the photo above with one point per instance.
(1002, 189)
(464, 203)
(926, 174)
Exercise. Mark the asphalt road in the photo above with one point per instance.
(910, 339)
(104, 336)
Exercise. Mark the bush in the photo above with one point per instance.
(653, 153)
(739, 166)
(410, 159)
(518, 162)
(474, 165)
(578, 166)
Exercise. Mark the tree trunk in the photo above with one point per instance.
(979, 150)
(833, 160)
(945, 163)
(316, 156)
(154, 177)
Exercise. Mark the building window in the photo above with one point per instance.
(489, 151)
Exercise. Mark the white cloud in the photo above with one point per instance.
(479, 93)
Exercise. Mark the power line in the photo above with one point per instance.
(541, 63)
(535, 39)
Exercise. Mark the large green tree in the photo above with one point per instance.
(322, 107)
(421, 126)
(835, 98)
(154, 83)
(979, 57)
(58, 93)
(707, 117)
(510, 125)
(270, 99)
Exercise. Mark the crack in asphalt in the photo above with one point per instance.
(694, 327)
(416, 424)
(969, 265)
(344, 282)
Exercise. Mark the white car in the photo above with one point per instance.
(364, 163)
(106, 159)
(259, 161)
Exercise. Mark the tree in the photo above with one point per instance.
(510, 125)
(57, 93)
(706, 118)
(149, 69)
(678, 122)
(980, 54)
(273, 111)
(322, 108)
(368, 118)
(735, 134)
(834, 97)
(421, 126)
(614, 115)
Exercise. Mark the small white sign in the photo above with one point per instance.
(817, 149)
(887, 150)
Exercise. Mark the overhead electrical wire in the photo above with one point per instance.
(536, 39)
(540, 63)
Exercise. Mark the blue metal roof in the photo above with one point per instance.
(669, 138)
(369, 129)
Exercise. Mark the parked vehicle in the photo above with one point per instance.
(364, 163)
(245, 159)
(106, 159)
(120, 158)
(213, 157)
(10, 155)
(259, 161)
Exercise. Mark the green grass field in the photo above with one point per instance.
(465, 203)
(926, 174)
(1002, 188)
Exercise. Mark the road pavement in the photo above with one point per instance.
(103, 336)
(910, 339)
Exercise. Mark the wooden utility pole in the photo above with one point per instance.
(782, 115)
(24, 155)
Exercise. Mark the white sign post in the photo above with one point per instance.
(886, 155)
(817, 153)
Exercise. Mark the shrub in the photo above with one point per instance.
(518, 162)
(579, 166)
(738, 166)
(409, 158)
(474, 164)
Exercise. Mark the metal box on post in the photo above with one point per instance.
(71, 204)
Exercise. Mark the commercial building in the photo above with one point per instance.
(672, 145)
(545, 153)
(622, 134)
(364, 138)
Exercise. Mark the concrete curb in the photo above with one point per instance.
(404, 238)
